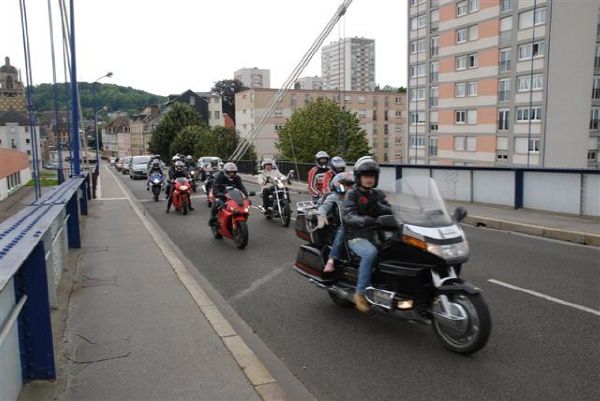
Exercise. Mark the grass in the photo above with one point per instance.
(45, 182)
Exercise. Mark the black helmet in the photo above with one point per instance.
(366, 165)
(155, 164)
(341, 182)
(322, 158)
(337, 164)
(214, 162)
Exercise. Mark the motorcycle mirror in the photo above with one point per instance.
(252, 193)
(387, 221)
(291, 174)
(459, 214)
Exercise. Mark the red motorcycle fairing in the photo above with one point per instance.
(178, 192)
(231, 214)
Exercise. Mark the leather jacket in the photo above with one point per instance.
(360, 210)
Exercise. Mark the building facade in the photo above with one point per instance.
(12, 91)
(140, 128)
(14, 171)
(309, 83)
(253, 77)
(207, 104)
(116, 137)
(15, 133)
(381, 115)
(489, 83)
(349, 64)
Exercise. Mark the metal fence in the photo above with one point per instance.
(33, 253)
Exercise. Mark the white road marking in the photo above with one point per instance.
(257, 283)
(546, 297)
(111, 199)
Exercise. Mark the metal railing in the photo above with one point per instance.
(33, 253)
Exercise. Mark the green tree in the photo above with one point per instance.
(187, 139)
(221, 142)
(227, 88)
(180, 116)
(321, 125)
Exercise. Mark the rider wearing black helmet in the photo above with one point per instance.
(154, 168)
(363, 204)
(178, 171)
(225, 178)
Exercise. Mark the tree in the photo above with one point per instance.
(221, 142)
(227, 88)
(321, 125)
(187, 139)
(180, 116)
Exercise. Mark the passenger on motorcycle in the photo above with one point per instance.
(316, 175)
(265, 177)
(363, 204)
(154, 168)
(336, 165)
(338, 187)
(177, 171)
(225, 178)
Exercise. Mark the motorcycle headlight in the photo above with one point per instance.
(183, 188)
(156, 181)
(452, 251)
(192, 173)
(280, 185)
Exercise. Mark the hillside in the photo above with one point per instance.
(115, 97)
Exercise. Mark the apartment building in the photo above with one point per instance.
(140, 128)
(349, 64)
(207, 104)
(15, 133)
(381, 115)
(309, 83)
(254, 77)
(503, 82)
(116, 137)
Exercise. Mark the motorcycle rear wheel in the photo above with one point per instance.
(480, 325)
(240, 235)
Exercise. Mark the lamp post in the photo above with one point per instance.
(97, 169)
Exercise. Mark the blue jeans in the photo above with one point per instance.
(338, 243)
(368, 254)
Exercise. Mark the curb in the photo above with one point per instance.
(261, 380)
(504, 225)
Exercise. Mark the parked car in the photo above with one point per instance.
(125, 164)
(138, 167)
(112, 161)
(52, 166)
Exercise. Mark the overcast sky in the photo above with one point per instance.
(168, 46)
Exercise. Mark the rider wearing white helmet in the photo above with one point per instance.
(225, 178)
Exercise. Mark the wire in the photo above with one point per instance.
(57, 127)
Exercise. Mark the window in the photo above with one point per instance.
(504, 89)
(27, 140)
(594, 119)
(529, 50)
(471, 144)
(529, 114)
(362, 99)
(397, 100)
(433, 146)
(505, 5)
(467, 34)
(506, 24)
(435, 16)
(418, 46)
(386, 116)
(597, 58)
(460, 89)
(503, 119)
(417, 22)
(460, 116)
(433, 121)
(461, 35)
(596, 88)
(435, 46)
(504, 60)
(434, 68)
(472, 60)
(417, 117)
(459, 143)
(417, 70)
(461, 63)
(192, 101)
(473, 5)
(278, 112)
(398, 113)
(417, 94)
(415, 2)
(462, 8)
(278, 127)
(524, 82)
(471, 116)
(217, 114)
(473, 33)
(362, 113)
(501, 143)
(592, 155)
(433, 96)
(465, 143)
(522, 145)
(417, 141)
(528, 18)
(472, 88)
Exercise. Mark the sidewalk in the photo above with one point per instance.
(139, 327)
(581, 230)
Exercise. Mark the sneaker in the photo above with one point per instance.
(329, 266)
(211, 221)
(362, 305)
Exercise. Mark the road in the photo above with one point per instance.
(540, 348)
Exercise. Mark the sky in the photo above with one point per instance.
(168, 46)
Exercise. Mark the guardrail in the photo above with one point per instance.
(33, 253)
(572, 191)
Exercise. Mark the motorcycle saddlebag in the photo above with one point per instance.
(301, 228)
(309, 262)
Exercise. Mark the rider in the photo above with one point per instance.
(171, 170)
(226, 178)
(154, 168)
(315, 175)
(265, 177)
(336, 165)
(189, 163)
(178, 171)
(338, 187)
(362, 206)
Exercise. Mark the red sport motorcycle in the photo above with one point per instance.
(231, 221)
(181, 194)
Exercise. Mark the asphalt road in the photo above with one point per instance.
(539, 348)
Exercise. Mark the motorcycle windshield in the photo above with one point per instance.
(181, 180)
(236, 196)
(156, 176)
(420, 203)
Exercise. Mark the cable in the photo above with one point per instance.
(57, 128)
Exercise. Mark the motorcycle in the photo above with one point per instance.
(193, 179)
(417, 275)
(231, 221)
(280, 200)
(207, 187)
(156, 182)
(181, 194)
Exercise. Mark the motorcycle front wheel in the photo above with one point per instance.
(286, 213)
(184, 205)
(156, 192)
(240, 235)
(478, 321)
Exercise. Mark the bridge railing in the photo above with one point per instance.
(33, 254)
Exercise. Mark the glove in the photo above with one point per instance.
(369, 221)
(321, 221)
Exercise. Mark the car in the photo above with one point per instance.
(125, 164)
(52, 166)
(138, 166)
(112, 161)
(204, 162)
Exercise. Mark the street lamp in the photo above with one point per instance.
(97, 169)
